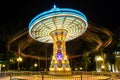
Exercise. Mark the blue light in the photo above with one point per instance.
(59, 55)
(57, 11)
(54, 6)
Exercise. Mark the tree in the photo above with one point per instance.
(85, 61)
(11, 59)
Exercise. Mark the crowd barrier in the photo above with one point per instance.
(44, 75)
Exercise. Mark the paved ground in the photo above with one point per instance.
(76, 77)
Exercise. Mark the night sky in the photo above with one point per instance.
(15, 15)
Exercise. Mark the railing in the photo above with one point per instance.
(44, 75)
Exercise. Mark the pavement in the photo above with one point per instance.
(48, 77)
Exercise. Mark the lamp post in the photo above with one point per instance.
(35, 66)
(19, 59)
(99, 63)
(4, 66)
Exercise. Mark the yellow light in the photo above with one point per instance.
(103, 66)
(19, 59)
(66, 57)
(51, 69)
(59, 69)
(67, 69)
(63, 61)
(55, 61)
(35, 64)
(80, 68)
(53, 57)
(99, 58)
(3, 65)
(76, 69)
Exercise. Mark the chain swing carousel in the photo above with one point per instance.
(57, 26)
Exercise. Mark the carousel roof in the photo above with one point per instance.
(44, 23)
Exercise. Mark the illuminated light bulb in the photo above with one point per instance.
(55, 61)
(63, 61)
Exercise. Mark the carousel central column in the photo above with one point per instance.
(59, 60)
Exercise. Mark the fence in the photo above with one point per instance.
(44, 75)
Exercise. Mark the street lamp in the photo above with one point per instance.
(99, 63)
(3, 66)
(19, 59)
(76, 69)
(99, 58)
(103, 66)
(35, 65)
(80, 68)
